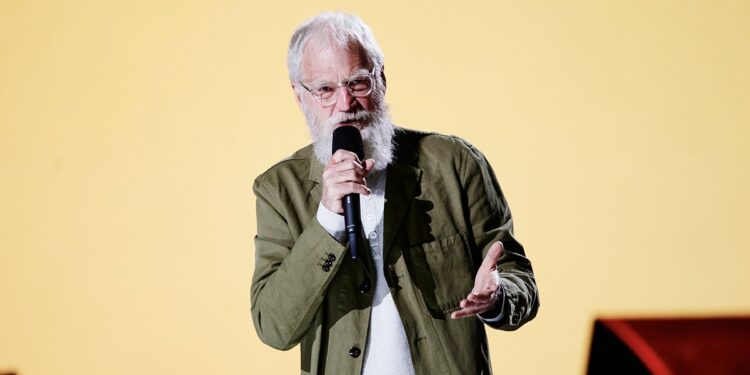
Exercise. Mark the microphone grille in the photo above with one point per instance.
(349, 139)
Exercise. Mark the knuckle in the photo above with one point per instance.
(344, 154)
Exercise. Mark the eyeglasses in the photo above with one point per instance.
(327, 92)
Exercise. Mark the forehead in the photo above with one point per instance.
(322, 60)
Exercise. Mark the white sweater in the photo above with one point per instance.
(387, 349)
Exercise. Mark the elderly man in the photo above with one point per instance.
(440, 261)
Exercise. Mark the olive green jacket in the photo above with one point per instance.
(443, 210)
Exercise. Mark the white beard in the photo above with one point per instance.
(377, 134)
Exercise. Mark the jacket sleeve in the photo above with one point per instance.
(292, 270)
(490, 220)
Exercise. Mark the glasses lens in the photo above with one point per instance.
(324, 91)
(357, 87)
(360, 86)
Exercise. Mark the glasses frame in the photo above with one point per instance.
(339, 85)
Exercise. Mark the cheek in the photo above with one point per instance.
(366, 103)
(321, 114)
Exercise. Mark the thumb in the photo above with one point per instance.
(493, 254)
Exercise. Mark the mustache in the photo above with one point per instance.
(359, 115)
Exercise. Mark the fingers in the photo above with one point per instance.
(480, 297)
(348, 169)
(483, 294)
(341, 155)
(345, 171)
(470, 309)
(485, 284)
(475, 303)
(353, 187)
(344, 175)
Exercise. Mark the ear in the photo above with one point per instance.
(382, 76)
(297, 96)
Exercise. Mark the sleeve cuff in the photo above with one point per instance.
(496, 313)
(332, 222)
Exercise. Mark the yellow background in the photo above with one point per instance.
(131, 132)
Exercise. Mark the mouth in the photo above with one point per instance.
(359, 119)
(352, 122)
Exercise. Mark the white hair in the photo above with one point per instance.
(346, 30)
(350, 32)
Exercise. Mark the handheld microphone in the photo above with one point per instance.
(349, 139)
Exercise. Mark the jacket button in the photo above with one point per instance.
(354, 352)
(365, 287)
(331, 257)
(326, 268)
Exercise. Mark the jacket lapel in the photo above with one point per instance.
(316, 175)
(400, 187)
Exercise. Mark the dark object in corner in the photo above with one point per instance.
(664, 346)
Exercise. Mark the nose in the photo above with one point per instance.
(344, 100)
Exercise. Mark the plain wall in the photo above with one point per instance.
(131, 132)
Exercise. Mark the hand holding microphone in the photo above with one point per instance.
(344, 180)
(344, 175)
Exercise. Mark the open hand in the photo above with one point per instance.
(483, 297)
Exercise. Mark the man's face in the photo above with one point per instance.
(324, 62)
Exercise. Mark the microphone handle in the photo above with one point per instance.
(352, 222)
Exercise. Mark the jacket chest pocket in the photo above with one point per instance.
(442, 272)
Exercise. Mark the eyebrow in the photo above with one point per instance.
(358, 73)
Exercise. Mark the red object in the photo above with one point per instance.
(664, 346)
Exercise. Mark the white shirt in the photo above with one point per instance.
(387, 349)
